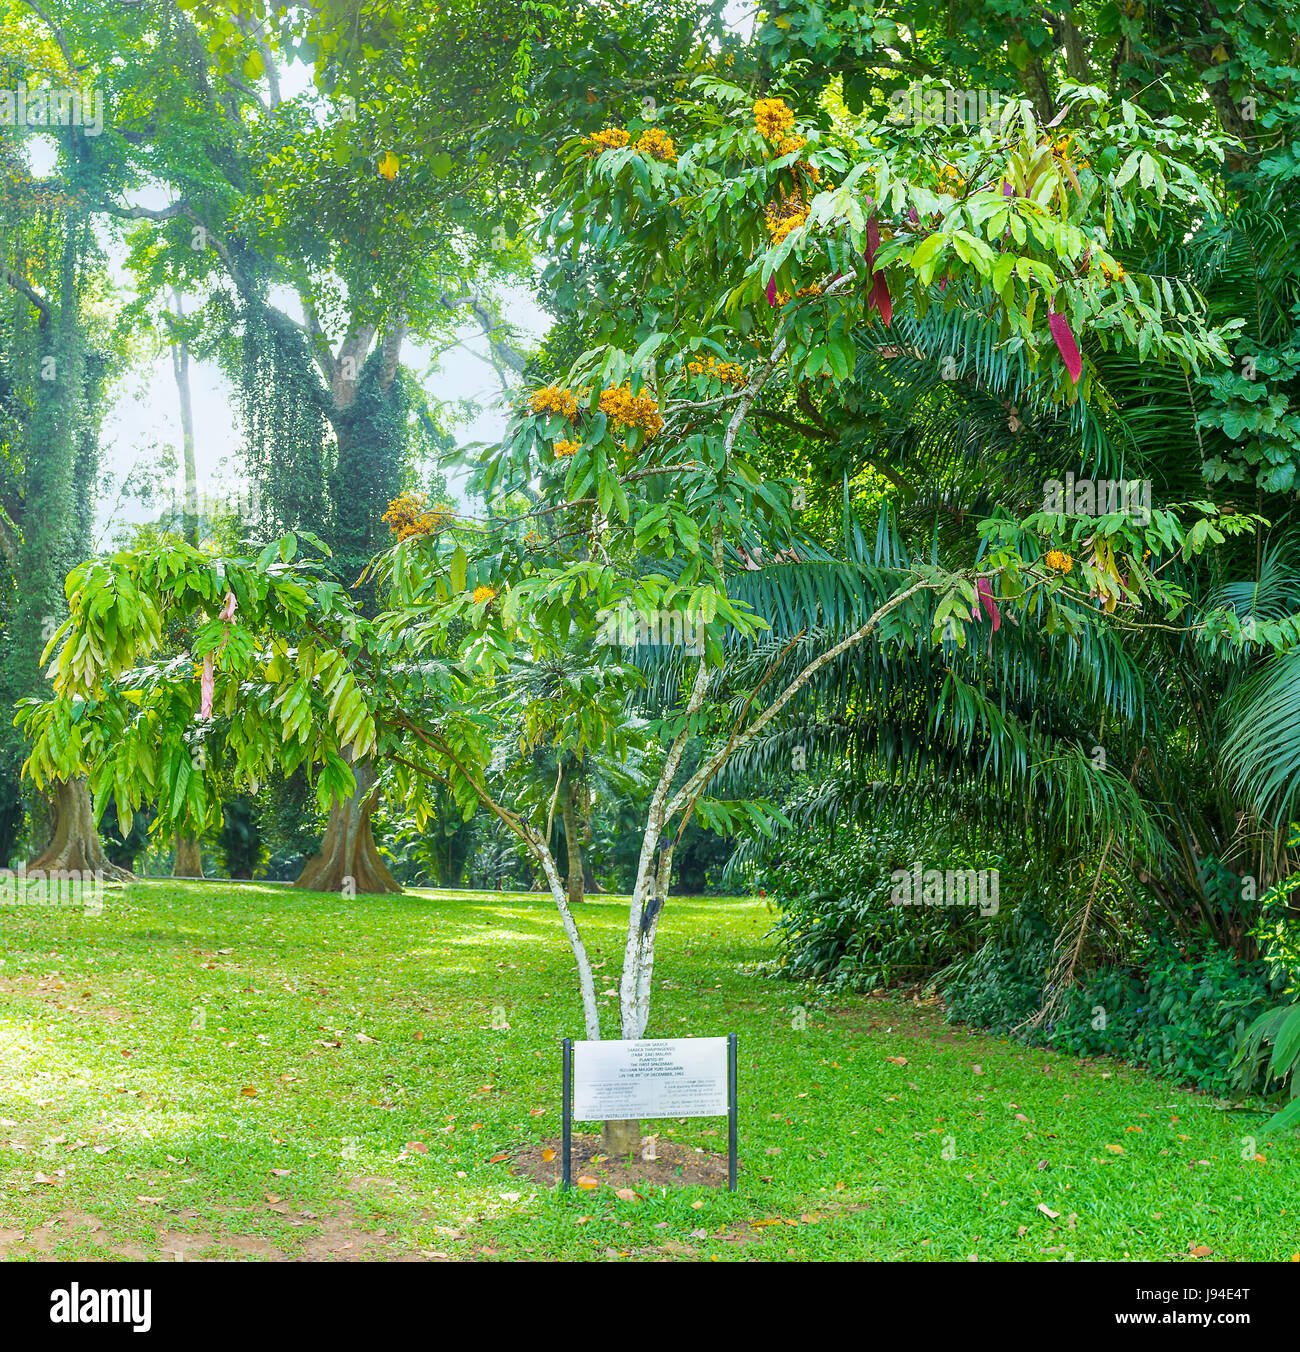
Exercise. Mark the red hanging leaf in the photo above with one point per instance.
(1065, 343)
(984, 593)
(880, 299)
(873, 243)
(771, 289)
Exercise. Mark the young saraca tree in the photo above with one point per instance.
(645, 508)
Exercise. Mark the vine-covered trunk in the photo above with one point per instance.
(189, 858)
(76, 846)
(348, 858)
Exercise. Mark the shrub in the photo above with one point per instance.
(835, 921)
(1180, 1012)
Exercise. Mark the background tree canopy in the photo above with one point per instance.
(910, 460)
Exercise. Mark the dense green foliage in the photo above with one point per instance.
(1178, 1011)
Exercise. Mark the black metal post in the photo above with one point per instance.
(566, 1130)
(731, 1111)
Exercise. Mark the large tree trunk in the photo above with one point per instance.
(348, 857)
(76, 846)
(189, 858)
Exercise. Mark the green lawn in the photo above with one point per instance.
(336, 1032)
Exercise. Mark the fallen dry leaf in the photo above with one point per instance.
(586, 1181)
(1047, 1211)
(625, 1195)
(897, 1060)
(497, 1159)
(548, 1155)
(695, 1206)
(1200, 1251)
(248, 1091)
(1114, 1149)
(537, 1112)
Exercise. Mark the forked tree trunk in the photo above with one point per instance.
(348, 856)
(76, 846)
(189, 858)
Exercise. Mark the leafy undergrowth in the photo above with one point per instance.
(211, 1071)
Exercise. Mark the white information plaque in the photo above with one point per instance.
(667, 1077)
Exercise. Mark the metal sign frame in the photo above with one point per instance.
(566, 1091)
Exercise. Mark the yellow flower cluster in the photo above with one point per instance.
(785, 297)
(552, 399)
(632, 410)
(612, 138)
(729, 372)
(1061, 154)
(482, 594)
(1059, 562)
(408, 515)
(567, 447)
(653, 143)
(1117, 276)
(773, 118)
(785, 214)
(950, 180)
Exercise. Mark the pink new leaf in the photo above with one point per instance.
(984, 593)
(209, 687)
(1065, 344)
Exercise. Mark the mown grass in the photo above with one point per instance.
(845, 1153)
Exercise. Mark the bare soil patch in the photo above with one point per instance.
(674, 1166)
(339, 1236)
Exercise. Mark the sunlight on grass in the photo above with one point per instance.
(345, 1065)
